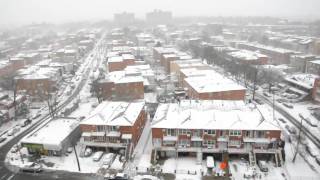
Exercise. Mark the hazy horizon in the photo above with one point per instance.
(18, 12)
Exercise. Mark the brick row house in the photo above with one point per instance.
(118, 63)
(121, 85)
(210, 85)
(214, 127)
(114, 125)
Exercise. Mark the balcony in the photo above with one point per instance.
(99, 143)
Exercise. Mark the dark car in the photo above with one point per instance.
(2, 139)
(26, 122)
(282, 120)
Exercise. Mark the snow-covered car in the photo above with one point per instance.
(318, 159)
(282, 120)
(288, 105)
(263, 166)
(70, 149)
(250, 173)
(313, 151)
(291, 129)
(97, 156)
(120, 176)
(108, 158)
(13, 131)
(88, 152)
(31, 167)
(2, 139)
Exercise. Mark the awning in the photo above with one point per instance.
(113, 134)
(170, 138)
(256, 140)
(126, 136)
(98, 133)
(196, 138)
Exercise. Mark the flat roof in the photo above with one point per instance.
(214, 114)
(52, 134)
(211, 81)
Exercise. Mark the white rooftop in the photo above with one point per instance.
(115, 59)
(217, 114)
(115, 113)
(246, 55)
(211, 81)
(52, 134)
(123, 77)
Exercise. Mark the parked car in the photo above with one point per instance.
(288, 105)
(210, 162)
(36, 116)
(259, 101)
(108, 158)
(2, 139)
(267, 94)
(26, 122)
(318, 159)
(263, 166)
(291, 129)
(31, 167)
(250, 173)
(282, 120)
(13, 131)
(312, 151)
(97, 156)
(120, 176)
(88, 152)
(70, 149)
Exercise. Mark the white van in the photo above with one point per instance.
(210, 162)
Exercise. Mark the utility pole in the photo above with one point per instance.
(298, 143)
(75, 152)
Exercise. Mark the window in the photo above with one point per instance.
(234, 133)
(210, 132)
(101, 128)
(113, 128)
(170, 132)
(208, 142)
(260, 134)
(184, 132)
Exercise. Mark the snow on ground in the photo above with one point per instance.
(182, 165)
(66, 162)
(16, 124)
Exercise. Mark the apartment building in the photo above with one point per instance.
(123, 85)
(114, 125)
(120, 62)
(37, 81)
(313, 67)
(198, 127)
(277, 55)
(299, 62)
(210, 85)
(246, 57)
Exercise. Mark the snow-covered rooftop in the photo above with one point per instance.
(302, 79)
(246, 55)
(124, 77)
(52, 134)
(217, 114)
(115, 113)
(210, 81)
(115, 59)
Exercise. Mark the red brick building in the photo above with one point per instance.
(114, 125)
(119, 63)
(214, 127)
(119, 85)
(210, 85)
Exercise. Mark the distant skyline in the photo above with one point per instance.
(18, 12)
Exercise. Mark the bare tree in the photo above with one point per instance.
(96, 90)
(9, 83)
(50, 96)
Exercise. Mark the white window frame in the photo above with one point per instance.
(235, 132)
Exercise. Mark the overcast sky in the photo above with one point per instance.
(28, 11)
